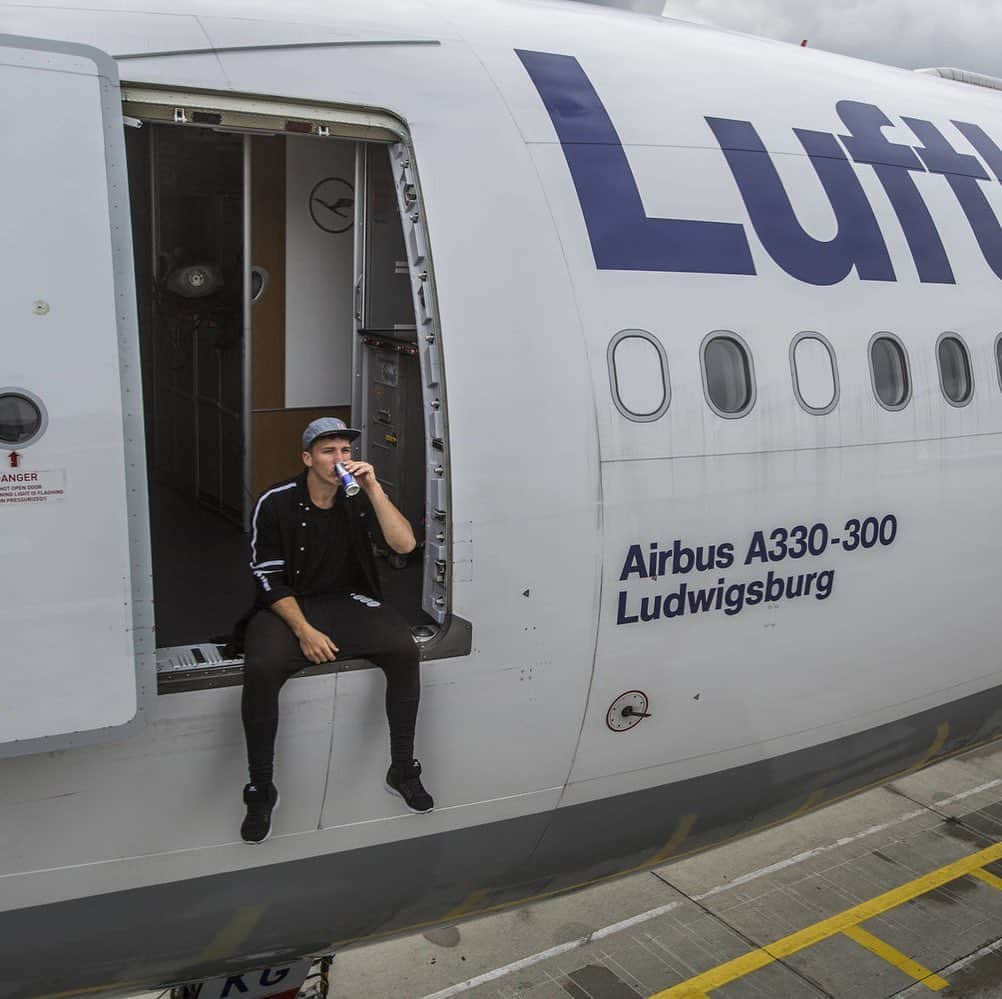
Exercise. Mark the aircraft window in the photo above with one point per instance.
(728, 376)
(815, 376)
(889, 370)
(638, 375)
(22, 418)
(955, 377)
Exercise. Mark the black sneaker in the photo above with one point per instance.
(261, 801)
(405, 780)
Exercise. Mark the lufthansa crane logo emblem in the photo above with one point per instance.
(332, 205)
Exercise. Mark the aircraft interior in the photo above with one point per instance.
(234, 370)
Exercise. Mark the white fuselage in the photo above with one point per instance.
(554, 488)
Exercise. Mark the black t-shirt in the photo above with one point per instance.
(330, 563)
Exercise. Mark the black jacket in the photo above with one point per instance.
(277, 535)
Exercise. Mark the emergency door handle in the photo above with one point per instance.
(631, 712)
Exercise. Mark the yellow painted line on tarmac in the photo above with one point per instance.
(892, 955)
(988, 878)
(786, 946)
(814, 799)
(240, 926)
(717, 978)
(469, 904)
(678, 837)
(942, 734)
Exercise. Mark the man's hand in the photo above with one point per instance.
(364, 474)
(316, 646)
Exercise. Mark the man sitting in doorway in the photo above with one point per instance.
(318, 595)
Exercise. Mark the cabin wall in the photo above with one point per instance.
(319, 269)
(295, 342)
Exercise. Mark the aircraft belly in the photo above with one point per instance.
(323, 903)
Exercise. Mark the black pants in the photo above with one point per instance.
(377, 633)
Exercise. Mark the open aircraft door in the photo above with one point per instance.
(74, 657)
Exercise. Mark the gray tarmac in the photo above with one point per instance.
(895, 892)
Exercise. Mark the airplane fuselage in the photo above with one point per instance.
(684, 460)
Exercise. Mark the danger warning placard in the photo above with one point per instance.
(36, 487)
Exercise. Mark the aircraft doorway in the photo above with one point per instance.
(273, 288)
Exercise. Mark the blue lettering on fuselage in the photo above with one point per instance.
(624, 237)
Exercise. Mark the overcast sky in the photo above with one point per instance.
(909, 33)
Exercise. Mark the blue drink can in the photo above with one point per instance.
(351, 487)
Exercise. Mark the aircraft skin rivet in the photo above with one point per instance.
(40, 308)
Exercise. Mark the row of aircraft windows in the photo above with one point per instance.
(641, 390)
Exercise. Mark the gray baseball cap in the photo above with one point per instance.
(328, 426)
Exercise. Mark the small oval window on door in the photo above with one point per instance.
(954, 370)
(815, 378)
(21, 419)
(638, 375)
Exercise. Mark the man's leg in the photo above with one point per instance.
(401, 665)
(272, 656)
(377, 632)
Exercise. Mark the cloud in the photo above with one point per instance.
(909, 33)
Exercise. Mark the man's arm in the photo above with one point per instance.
(267, 559)
(394, 525)
(271, 578)
(316, 646)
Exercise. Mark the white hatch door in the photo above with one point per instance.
(67, 308)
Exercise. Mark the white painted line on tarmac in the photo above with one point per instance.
(605, 931)
(967, 794)
(643, 917)
(625, 924)
(844, 841)
(490, 976)
(919, 988)
(799, 858)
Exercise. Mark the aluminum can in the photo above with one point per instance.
(351, 487)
